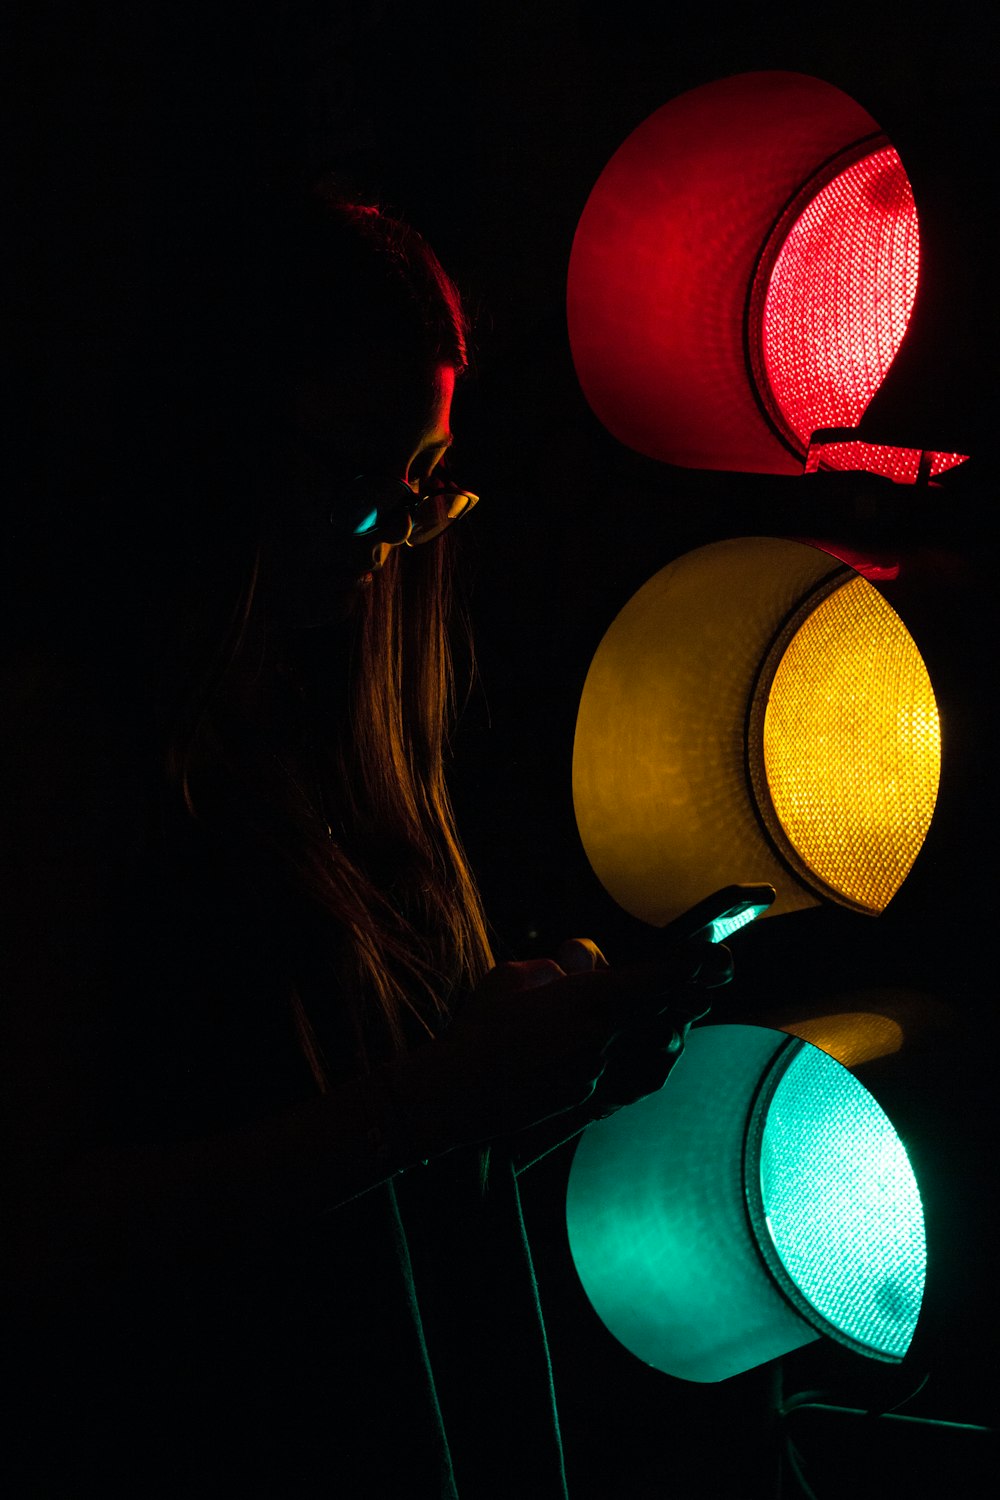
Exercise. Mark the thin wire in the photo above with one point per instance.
(822, 1398)
(794, 1458)
(886, 1410)
(804, 1398)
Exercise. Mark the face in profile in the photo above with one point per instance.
(381, 426)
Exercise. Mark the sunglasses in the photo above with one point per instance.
(381, 507)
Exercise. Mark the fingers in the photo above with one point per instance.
(631, 1073)
(598, 1003)
(716, 967)
(675, 990)
(526, 974)
(706, 964)
(535, 972)
(575, 956)
(580, 956)
(698, 964)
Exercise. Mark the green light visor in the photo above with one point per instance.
(760, 1199)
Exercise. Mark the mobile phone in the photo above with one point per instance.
(721, 914)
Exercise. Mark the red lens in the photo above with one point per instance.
(839, 297)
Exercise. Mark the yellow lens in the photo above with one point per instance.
(852, 745)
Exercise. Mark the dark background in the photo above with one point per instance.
(486, 125)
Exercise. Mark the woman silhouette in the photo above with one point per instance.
(267, 1093)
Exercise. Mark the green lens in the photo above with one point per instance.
(841, 1204)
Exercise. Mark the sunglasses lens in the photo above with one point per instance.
(378, 505)
(370, 499)
(367, 523)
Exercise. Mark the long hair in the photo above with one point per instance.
(337, 800)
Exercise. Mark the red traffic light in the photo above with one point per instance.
(742, 278)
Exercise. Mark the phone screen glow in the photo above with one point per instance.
(732, 920)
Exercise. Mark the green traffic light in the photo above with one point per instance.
(759, 1200)
(841, 1206)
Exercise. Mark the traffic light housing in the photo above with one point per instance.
(742, 278)
(694, 1227)
(757, 706)
(741, 282)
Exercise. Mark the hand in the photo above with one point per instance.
(642, 1058)
(545, 1036)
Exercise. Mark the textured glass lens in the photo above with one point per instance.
(840, 296)
(842, 1205)
(852, 745)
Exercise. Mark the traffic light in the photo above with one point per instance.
(760, 1199)
(742, 278)
(772, 705)
(757, 706)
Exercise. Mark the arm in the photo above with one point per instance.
(84, 1212)
(524, 1057)
(638, 1062)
